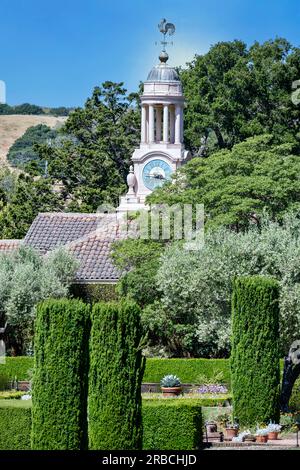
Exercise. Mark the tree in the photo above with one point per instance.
(26, 279)
(26, 197)
(139, 261)
(255, 375)
(237, 186)
(22, 152)
(92, 158)
(234, 93)
(116, 372)
(192, 314)
(60, 376)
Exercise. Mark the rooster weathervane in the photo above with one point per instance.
(166, 28)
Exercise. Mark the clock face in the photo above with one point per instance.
(156, 173)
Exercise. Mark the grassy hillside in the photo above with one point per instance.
(13, 126)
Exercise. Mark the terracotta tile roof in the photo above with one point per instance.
(9, 245)
(87, 236)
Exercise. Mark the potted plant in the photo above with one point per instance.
(231, 429)
(261, 435)
(273, 431)
(170, 385)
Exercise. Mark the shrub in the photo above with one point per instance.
(294, 402)
(17, 367)
(116, 372)
(172, 424)
(255, 350)
(15, 426)
(59, 418)
(188, 370)
(170, 381)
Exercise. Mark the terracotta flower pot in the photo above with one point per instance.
(273, 436)
(171, 391)
(231, 432)
(263, 439)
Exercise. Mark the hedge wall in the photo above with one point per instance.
(19, 367)
(15, 425)
(59, 414)
(93, 293)
(172, 424)
(255, 350)
(116, 371)
(188, 370)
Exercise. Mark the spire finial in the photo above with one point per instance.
(165, 28)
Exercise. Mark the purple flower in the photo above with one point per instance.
(213, 388)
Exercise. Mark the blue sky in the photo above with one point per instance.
(54, 52)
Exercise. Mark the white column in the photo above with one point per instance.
(151, 123)
(181, 124)
(143, 124)
(158, 124)
(178, 124)
(172, 124)
(147, 124)
(166, 124)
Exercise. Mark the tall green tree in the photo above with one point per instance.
(255, 373)
(234, 92)
(60, 376)
(116, 372)
(237, 186)
(92, 159)
(24, 201)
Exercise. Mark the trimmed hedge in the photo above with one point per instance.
(17, 367)
(116, 371)
(59, 413)
(188, 370)
(15, 424)
(255, 350)
(93, 293)
(172, 424)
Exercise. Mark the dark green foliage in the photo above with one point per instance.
(116, 371)
(233, 92)
(18, 368)
(59, 420)
(172, 424)
(27, 108)
(15, 426)
(140, 260)
(30, 196)
(93, 293)
(187, 369)
(98, 140)
(22, 151)
(255, 350)
(294, 402)
(237, 186)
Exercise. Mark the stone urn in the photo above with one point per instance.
(171, 391)
(262, 439)
(231, 432)
(273, 436)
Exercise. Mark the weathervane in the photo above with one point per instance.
(165, 28)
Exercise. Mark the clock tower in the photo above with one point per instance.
(161, 150)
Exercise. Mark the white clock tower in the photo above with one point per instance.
(161, 150)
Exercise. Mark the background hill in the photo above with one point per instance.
(14, 126)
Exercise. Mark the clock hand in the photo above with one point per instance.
(158, 176)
